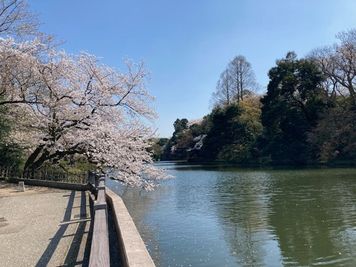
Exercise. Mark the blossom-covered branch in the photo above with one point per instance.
(66, 105)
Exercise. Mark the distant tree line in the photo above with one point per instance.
(307, 115)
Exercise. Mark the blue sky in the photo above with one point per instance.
(187, 44)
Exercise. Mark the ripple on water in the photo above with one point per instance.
(233, 217)
(333, 261)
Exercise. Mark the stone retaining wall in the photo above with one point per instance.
(133, 249)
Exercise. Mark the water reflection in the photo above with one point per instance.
(220, 216)
(313, 216)
(242, 204)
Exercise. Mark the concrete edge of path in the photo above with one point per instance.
(51, 184)
(133, 249)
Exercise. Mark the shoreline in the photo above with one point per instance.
(258, 166)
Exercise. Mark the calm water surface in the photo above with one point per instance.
(210, 216)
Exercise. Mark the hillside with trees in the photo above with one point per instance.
(306, 116)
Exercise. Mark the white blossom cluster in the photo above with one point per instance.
(65, 105)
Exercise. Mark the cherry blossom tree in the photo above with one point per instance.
(74, 105)
(16, 19)
(19, 81)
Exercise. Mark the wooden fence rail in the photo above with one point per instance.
(99, 252)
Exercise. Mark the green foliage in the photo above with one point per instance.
(181, 139)
(229, 133)
(297, 122)
(290, 110)
(224, 129)
(233, 133)
(73, 169)
(179, 127)
(157, 147)
(74, 165)
(10, 154)
(334, 138)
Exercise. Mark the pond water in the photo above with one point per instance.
(221, 216)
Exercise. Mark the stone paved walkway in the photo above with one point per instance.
(43, 227)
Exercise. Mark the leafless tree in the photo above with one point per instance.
(338, 63)
(223, 94)
(237, 81)
(242, 77)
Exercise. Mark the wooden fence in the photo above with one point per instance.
(7, 172)
(46, 174)
(99, 252)
(132, 249)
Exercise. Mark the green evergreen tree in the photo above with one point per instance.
(290, 110)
